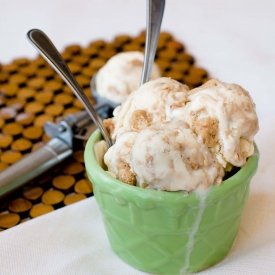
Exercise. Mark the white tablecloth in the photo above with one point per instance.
(233, 40)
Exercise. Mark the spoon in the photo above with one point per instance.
(47, 49)
(155, 10)
(154, 15)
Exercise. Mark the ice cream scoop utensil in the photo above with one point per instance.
(60, 147)
(155, 10)
(47, 49)
(154, 14)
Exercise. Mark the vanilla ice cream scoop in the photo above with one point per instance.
(121, 75)
(119, 156)
(164, 156)
(153, 102)
(169, 156)
(224, 117)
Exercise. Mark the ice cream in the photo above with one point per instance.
(121, 75)
(164, 156)
(169, 138)
(223, 116)
(154, 102)
(119, 156)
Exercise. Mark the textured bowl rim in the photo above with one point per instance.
(227, 186)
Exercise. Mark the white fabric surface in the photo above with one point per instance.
(234, 40)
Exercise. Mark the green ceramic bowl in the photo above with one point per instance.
(163, 232)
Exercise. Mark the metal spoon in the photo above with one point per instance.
(155, 10)
(47, 49)
(154, 15)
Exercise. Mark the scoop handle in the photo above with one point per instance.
(47, 49)
(155, 10)
(32, 165)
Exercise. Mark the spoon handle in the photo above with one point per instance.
(155, 10)
(47, 49)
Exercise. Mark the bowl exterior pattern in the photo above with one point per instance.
(170, 232)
